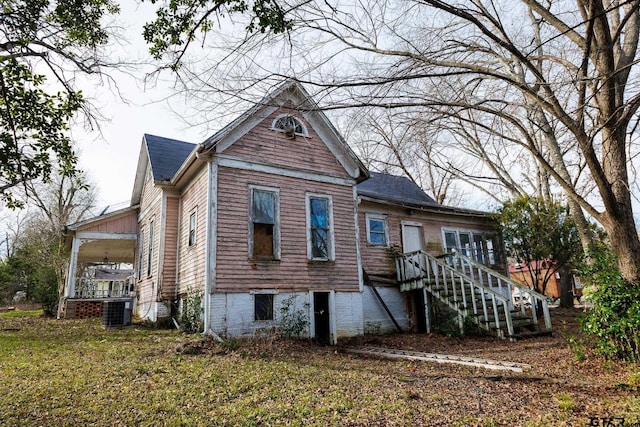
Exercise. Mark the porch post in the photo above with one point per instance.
(427, 309)
(73, 265)
(70, 283)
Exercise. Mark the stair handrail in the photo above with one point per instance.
(465, 279)
(536, 296)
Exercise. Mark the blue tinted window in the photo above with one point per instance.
(377, 234)
(318, 211)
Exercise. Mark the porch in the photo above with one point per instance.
(100, 265)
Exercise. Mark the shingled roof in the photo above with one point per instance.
(395, 189)
(166, 155)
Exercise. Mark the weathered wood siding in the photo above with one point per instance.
(191, 264)
(380, 260)
(235, 272)
(150, 210)
(263, 145)
(169, 255)
(120, 224)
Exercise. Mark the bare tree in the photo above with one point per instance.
(404, 142)
(62, 201)
(558, 79)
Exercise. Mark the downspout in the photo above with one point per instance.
(211, 236)
(207, 244)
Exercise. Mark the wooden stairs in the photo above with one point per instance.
(475, 292)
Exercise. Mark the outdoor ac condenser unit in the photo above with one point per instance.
(116, 314)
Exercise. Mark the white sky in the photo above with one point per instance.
(110, 156)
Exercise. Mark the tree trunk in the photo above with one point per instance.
(566, 286)
(623, 239)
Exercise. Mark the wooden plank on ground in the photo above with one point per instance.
(439, 358)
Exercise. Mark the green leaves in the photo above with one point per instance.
(53, 36)
(179, 21)
(33, 132)
(614, 319)
(535, 230)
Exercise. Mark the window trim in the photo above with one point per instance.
(276, 223)
(150, 251)
(271, 297)
(385, 227)
(490, 255)
(140, 254)
(194, 214)
(305, 131)
(331, 255)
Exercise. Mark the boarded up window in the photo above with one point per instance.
(263, 226)
(263, 306)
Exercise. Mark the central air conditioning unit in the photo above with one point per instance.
(116, 314)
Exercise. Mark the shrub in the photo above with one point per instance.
(614, 320)
(293, 323)
(46, 291)
(191, 313)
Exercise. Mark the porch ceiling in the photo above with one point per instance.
(116, 250)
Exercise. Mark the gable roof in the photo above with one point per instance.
(396, 189)
(170, 158)
(290, 90)
(166, 155)
(400, 190)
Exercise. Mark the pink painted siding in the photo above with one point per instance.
(268, 146)
(380, 260)
(120, 224)
(235, 272)
(168, 285)
(150, 210)
(191, 264)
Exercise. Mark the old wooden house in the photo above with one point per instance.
(275, 212)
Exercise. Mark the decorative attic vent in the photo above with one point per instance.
(290, 126)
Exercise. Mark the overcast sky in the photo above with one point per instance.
(110, 156)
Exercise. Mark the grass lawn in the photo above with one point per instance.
(74, 372)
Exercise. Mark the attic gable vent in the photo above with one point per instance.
(290, 126)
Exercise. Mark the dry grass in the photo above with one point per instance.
(58, 373)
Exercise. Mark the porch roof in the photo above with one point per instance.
(111, 236)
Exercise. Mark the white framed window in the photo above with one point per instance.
(320, 233)
(290, 125)
(264, 223)
(141, 254)
(377, 230)
(192, 228)
(481, 246)
(263, 306)
(150, 251)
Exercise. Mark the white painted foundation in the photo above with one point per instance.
(376, 319)
(232, 314)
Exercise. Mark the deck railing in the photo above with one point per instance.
(471, 289)
(92, 289)
(502, 284)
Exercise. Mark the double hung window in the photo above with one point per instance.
(264, 223)
(320, 239)
(377, 230)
